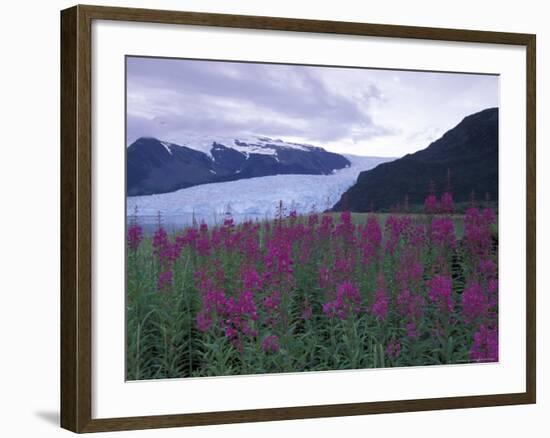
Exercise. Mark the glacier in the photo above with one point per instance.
(247, 199)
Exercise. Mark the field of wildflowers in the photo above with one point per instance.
(321, 291)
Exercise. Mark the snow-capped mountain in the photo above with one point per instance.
(155, 166)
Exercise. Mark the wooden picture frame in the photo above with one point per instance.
(76, 217)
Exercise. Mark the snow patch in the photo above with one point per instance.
(166, 146)
(284, 144)
(253, 149)
(244, 144)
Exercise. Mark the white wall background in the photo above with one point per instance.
(29, 228)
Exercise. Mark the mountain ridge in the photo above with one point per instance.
(155, 166)
(464, 161)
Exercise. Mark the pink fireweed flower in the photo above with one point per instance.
(443, 232)
(344, 266)
(248, 330)
(165, 279)
(188, 238)
(474, 302)
(373, 231)
(381, 300)
(306, 247)
(431, 204)
(447, 204)
(271, 305)
(371, 237)
(238, 315)
(412, 330)
(488, 268)
(278, 262)
(347, 302)
(247, 306)
(393, 350)
(231, 332)
(219, 273)
(329, 309)
(410, 270)
(249, 243)
(170, 253)
(213, 297)
(204, 321)
(396, 228)
(214, 300)
(345, 230)
(216, 238)
(166, 252)
(252, 280)
(477, 232)
(238, 318)
(270, 344)
(345, 220)
(326, 227)
(134, 237)
(312, 220)
(489, 216)
(203, 245)
(228, 234)
(345, 217)
(485, 345)
(228, 222)
(410, 305)
(441, 287)
(279, 257)
(417, 237)
(160, 239)
(272, 301)
(180, 242)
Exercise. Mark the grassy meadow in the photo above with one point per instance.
(312, 292)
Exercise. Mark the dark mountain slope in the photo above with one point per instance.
(154, 166)
(468, 153)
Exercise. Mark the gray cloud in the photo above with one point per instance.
(347, 110)
(167, 96)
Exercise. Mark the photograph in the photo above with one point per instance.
(289, 218)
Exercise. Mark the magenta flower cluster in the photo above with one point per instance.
(134, 236)
(444, 205)
(347, 302)
(480, 296)
(270, 344)
(390, 280)
(440, 292)
(485, 345)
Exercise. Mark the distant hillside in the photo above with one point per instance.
(468, 153)
(155, 166)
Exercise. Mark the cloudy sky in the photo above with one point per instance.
(346, 110)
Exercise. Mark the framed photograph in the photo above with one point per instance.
(269, 218)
